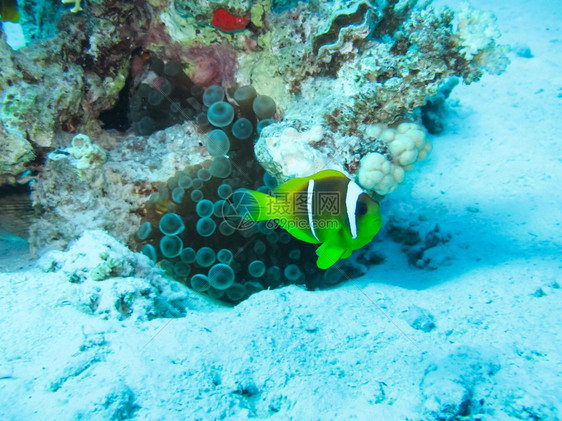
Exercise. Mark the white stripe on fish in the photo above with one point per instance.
(309, 195)
(351, 198)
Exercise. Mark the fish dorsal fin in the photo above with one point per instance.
(327, 173)
(295, 184)
(299, 183)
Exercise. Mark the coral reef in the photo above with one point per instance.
(379, 156)
(41, 92)
(55, 87)
(15, 154)
(340, 86)
(433, 113)
(396, 151)
(371, 62)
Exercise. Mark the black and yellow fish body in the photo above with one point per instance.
(326, 208)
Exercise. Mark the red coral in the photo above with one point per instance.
(213, 65)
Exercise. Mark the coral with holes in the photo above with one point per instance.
(192, 227)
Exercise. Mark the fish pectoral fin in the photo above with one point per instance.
(328, 255)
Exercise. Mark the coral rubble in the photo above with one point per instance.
(115, 282)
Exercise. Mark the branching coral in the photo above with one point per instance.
(476, 36)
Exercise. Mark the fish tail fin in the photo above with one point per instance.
(252, 205)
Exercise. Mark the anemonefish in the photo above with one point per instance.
(9, 11)
(326, 208)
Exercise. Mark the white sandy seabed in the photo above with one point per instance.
(475, 335)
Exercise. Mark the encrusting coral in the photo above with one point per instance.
(115, 283)
(382, 61)
(54, 87)
(84, 187)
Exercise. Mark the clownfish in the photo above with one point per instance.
(326, 208)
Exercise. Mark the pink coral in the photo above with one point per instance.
(213, 65)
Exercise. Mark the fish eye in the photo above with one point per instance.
(361, 209)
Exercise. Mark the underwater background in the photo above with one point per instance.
(131, 288)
